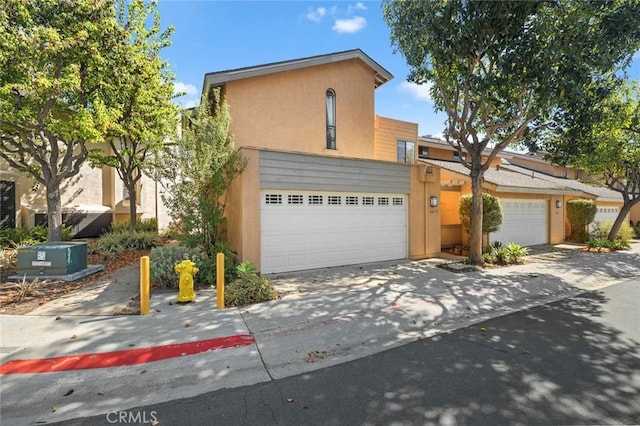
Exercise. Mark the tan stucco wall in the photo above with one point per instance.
(243, 210)
(287, 110)
(424, 221)
(634, 215)
(547, 168)
(387, 132)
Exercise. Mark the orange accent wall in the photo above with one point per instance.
(287, 111)
(387, 131)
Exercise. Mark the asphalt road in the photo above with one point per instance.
(576, 361)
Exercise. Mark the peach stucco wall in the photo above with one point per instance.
(387, 132)
(424, 221)
(287, 110)
(243, 210)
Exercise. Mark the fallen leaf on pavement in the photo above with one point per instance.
(74, 337)
(69, 392)
(484, 330)
(187, 325)
(289, 400)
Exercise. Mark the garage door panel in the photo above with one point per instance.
(524, 222)
(355, 228)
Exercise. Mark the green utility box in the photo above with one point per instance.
(61, 258)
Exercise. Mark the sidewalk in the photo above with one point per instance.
(326, 317)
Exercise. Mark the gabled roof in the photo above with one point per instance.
(602, 193)
(509, 181)
(220, 77)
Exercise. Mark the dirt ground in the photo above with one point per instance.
(19, 298)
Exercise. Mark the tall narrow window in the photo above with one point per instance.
(331, 119)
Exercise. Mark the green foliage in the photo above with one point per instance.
(246, 268)
(504, 254)
(636, 229)
(29, 236)
(145, 117)
(493, 80)
(580, 213)
(162, 261)
(515, 252)
(115, 242)
(491, 213)
(599, 243)
(602, 229)
(198, 172)
(249, 288)
(142, 225)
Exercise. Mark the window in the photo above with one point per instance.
(405, 151)
(397, 201)
(456, 156)
(331, 119)
(273, 199)
(315, 199)
(351, 200)
(295, 199)
(383, 201)
(367, 201)
(423, 152)
(334, 200)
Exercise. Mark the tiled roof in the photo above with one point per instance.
(602, 193)
(510, 181)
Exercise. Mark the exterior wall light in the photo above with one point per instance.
(433, 201)
(558, 204)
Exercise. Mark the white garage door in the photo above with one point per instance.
(524, 222)
(606, 213)
(305, 230)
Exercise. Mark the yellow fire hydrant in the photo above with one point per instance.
(187, 269)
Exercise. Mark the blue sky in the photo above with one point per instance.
(213, 36)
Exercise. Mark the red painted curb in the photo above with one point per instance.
(122, 358)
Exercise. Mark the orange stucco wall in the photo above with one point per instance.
(634, 215)
(424, 221)
(243, 210)
(387, 132)
(287, 110)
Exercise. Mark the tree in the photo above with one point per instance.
(491, 213)
(580, 213)
(199, 171)
(609, 148)
(54, 59)
(140, 94)
(495, 67)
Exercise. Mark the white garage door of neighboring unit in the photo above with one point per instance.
(605, 213)
(306, 230)
(524, 222)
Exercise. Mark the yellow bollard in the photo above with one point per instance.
(220, 281)
(144, 285)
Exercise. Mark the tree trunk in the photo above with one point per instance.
(54, 212)
(617, 224)
(133, 208)
(475, 237)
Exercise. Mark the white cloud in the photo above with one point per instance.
(418, 91)
(351, 25)
(354, 7)
(186, 89)
(316, 15)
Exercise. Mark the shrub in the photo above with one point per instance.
(142, 225)
(115, 242)
(249, 287)
(636, 229)
(501, 255)
(29, 236)
(602, 229)
(491, 213)
(162, 261)
(515, 252)
(580, 213)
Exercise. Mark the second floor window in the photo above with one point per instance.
(331, 119)
(456, 156)
(405, 151)
(423, 152)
